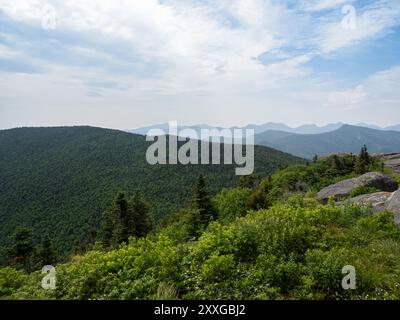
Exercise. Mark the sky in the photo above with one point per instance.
(125, 64)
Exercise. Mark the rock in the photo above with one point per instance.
(394, 206)
(393, 164)
(392, 161)
(379, 181)
(342, 189)
(378, 201)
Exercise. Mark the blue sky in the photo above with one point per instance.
(124, 64)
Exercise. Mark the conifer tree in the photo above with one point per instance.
(203, 203)
(363, 161)
(140, 224)
(23, 246)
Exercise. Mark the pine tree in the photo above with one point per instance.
(126, 219)
(140, 224)
(363, 161)
(23, 246)
(206, 212)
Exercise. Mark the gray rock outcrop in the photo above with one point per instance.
(378, 201)
(342, 189)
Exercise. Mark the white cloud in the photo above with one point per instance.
(318, 5)
(370, 21)
(196, 57)
(347, 99)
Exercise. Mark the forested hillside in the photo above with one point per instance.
(60, 180)
(268, 239)
(345, 139)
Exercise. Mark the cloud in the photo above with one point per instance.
(369, 21)
(180, 59)
(347, 99)
(318, 5)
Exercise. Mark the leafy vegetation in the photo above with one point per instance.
(360, 190)
(268, 239)
(290, 251)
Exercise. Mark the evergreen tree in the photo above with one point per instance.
(127, 218)
(140, 224)
(315, 159)
(363, 161)
(23, 246)
(204, 210)
(46, 253)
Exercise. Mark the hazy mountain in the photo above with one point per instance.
(345, 139)
(314, 129)
(60, 180)
(308, 128)
(393, 128)
(371, 126)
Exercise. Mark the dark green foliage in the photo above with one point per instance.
(60, 180)
(204, 211)
(126, 219)
(23, 247)
(46, 252)
(363, 161)
(108, 226)
(125, 227)
(140, 216)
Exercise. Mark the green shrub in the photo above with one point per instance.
(360, 190)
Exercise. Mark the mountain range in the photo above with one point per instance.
(345, 139)
(275, 126)
(309, 140)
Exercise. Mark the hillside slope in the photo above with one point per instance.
(60, 180)
(345, 139)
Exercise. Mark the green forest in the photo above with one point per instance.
(265, 237)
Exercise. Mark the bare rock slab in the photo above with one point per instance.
(342, 189)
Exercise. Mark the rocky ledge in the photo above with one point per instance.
(341, 190)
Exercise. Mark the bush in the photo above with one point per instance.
(360, 190)
(232, 203)
(10, 280)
